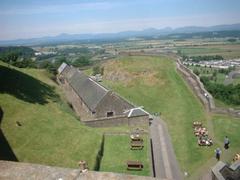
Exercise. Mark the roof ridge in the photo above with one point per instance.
(97, 83)
(101, 99)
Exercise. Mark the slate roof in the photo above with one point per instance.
(61, 68)
(137, 112)
(88, 90)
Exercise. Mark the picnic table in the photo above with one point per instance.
(134, 165)
(137, 145)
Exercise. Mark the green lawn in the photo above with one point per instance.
(206, 71)
(119, 146)
(153, 82)
(51, 133)
(236, 81)
(227, 126)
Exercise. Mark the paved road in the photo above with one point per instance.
(164, 160)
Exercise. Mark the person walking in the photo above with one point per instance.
(218, 153)
(226, 142)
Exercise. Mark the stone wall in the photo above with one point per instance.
(18, 170)
(198, 88)
(75, 101)
(118, 121)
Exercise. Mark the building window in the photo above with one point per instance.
(109, 114)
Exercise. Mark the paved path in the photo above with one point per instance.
(164, 160)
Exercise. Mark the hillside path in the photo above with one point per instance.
(165, 165)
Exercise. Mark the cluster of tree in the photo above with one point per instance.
(18, 56)
(52, 66)
(98, 70)
(229, 94)
(45, 56)
(204, 58)
(81, 61)
(21, 51)
(76, 50)
(232, 40)
(22, 57)
(205, 70)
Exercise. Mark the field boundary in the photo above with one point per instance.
(204, 96)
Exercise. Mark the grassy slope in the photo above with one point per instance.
(116, 146)
(50, 134)
(163, 90)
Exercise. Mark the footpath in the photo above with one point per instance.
(165, 165)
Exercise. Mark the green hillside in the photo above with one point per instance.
(154, 83)
(38, 126)
(49, 133)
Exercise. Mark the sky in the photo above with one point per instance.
(21, 19)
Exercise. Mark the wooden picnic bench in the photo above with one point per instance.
(137, 145)
(134, 165)
(136, 139)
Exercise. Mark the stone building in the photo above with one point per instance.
(223, 171)
(90, 99)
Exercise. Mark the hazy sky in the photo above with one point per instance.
(28, 18)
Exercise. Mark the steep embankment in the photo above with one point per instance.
(37, 126)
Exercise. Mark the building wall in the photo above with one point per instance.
(112, 103)
(77, 104)
(118, 121)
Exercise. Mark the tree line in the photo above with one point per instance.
(24, 57)
(203, 58)
(18, 56)
(230, 94)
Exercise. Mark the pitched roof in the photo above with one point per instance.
(137, 112)
(61, 68)
(88, 90)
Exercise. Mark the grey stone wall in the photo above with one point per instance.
(198, 88)
(118, 121)
(77, 104)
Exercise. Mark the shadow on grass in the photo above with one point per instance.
(6, 152)
(99, 155)
(25, 87)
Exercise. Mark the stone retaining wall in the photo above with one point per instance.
(198, 88)
(118, 121)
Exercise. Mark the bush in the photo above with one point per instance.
(229, 94)
(81, 61)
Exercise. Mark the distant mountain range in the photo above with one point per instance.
(151, 32)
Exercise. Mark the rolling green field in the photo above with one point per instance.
(153, 82)
(116, 146)
(228, 51)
